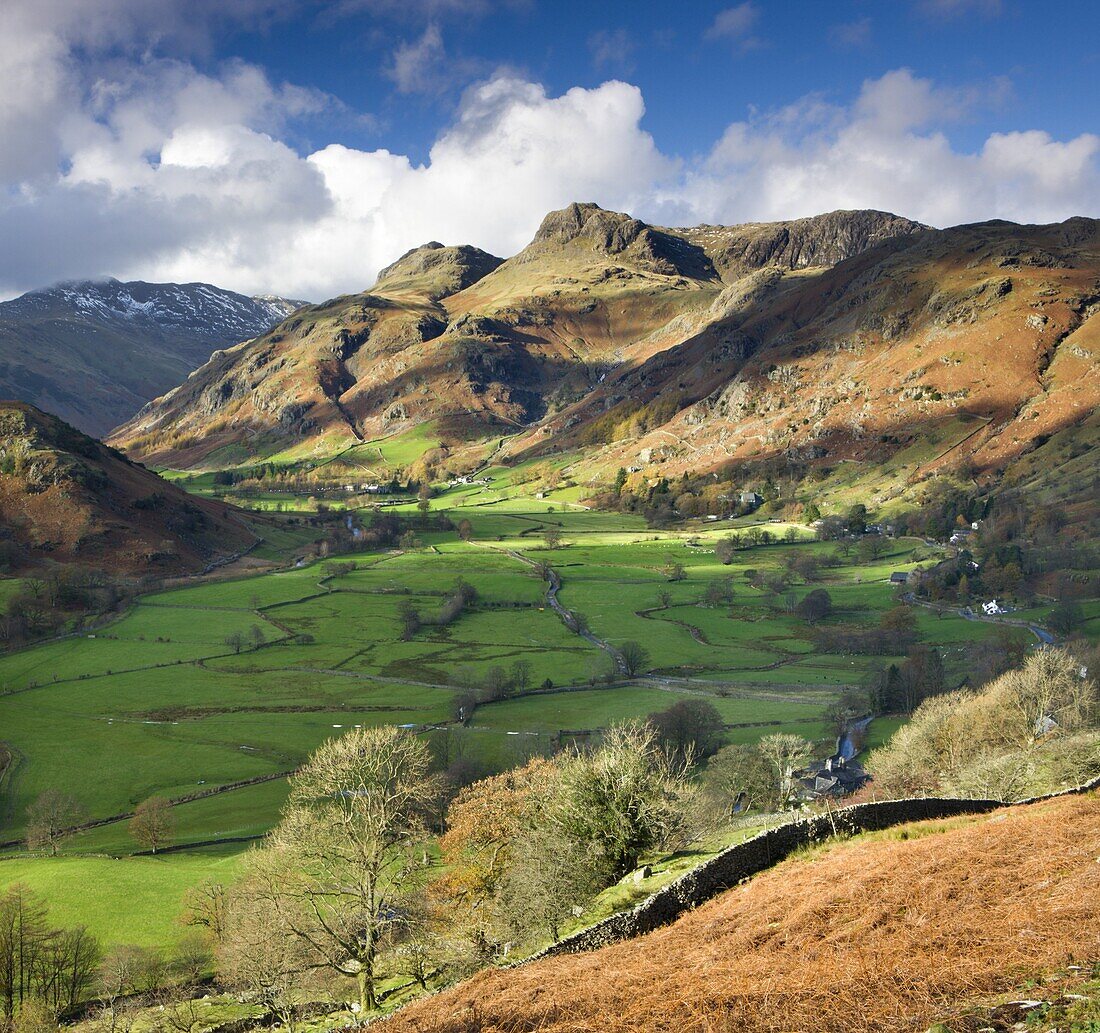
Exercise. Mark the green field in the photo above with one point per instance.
(201, 687)
(134, 900)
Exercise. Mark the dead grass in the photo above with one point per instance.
(875, 935)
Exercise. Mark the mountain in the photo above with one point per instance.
(970, 346)
(895, 931)
(94, 352)
(479, 344)
(65, 496)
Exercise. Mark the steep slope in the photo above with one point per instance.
(981, 339)
(453, 335)
(68, 498)
(309, 384)
(888, 933)
(95, 352)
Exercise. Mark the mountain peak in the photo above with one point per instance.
(609, 231)
(436, 270)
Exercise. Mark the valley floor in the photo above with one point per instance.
(210, 694)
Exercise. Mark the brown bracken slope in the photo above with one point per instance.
(66, 497)
(886, 933)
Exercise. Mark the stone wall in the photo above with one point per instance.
(735, 863)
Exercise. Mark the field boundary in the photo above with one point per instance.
(761, 852)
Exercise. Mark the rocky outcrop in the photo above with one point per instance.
(436, 271)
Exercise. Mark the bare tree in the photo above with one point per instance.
(51, 818)
(153, 824)
(785, 753)
(635, 657)
(345, 850)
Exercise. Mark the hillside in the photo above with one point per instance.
(980, 337)
(94, 352)
(481, 345)
(66, 497)
(891, 932)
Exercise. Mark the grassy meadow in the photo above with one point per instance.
(197, 689)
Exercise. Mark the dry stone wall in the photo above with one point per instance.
(736, 863)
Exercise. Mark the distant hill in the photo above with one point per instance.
(453, 334)
(94, 352)
(66, 497)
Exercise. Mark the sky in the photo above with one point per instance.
(295, 147)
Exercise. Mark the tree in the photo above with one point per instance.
(1066, 617)
(262, 951)
(871, 548)
(465, 529)
(674, 570)
(622, 800)
(552, 537)
(737, 779)
(635, 657)
(785, 753)
(51, 819)
(235, 641)
(664, 598)
(153, 823)
(256, 635)
(206, 906)
(718, 591)
(497, 683)
(724, 550)
(856, 519)
(484, 823)
(521, 675)
(343, 855)
(410, 618)
(550, 874)
(424, 499)
(815, 606)
(690, 728)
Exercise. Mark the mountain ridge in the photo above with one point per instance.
(519, 338)
(95, 351)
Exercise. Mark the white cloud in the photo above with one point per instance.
(735, 24)
(417, 66)
(851, 35)
(888, 151)
(612, 49)
(151, 169)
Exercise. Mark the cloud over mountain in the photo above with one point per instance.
(119, 159)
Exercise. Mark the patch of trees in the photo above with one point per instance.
(45, 971)
(896, 632)
(462, 596)
(691, 729)
(753, 776)
(53, 595)
(1031, 730)
(525, 849)
(521, 851)
(901, 688)
(496, 683)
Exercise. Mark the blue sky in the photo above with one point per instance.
(695, 81)
(297, 146)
